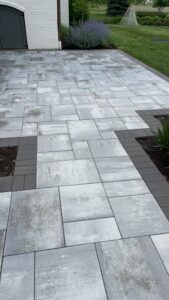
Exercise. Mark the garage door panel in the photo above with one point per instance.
(12, 28)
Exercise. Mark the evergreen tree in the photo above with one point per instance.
(117, 7)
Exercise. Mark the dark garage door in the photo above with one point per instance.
(12, 28)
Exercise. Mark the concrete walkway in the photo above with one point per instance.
(91, 230)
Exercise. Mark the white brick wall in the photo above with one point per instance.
(41, 21)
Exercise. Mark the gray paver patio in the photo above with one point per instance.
(88, 191)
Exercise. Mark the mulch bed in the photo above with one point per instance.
(158, 156)
(7, 161)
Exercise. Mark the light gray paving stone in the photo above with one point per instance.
(5, 199)
(161, 243)
(10, 133)
(132, 270)
(29, 129)
(37, 114)
(94, 112)
(81, 150)
(53, 143)
(52, 128)
(83, 100)
(91, 231)
(126, 188)
(54, 99)
(66, 173)
(139, 215)
(17, 280)
(81, 202)
(116, 169)
(106, 148)
(2, 241)
(54, 156)
(83, 130)
(10, 124)
(34, 221)
(63, 113)
(110, 124)
(108, 135)
(69, 273)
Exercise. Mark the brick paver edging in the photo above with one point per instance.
(155, 181)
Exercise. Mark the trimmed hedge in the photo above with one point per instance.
(154, 20)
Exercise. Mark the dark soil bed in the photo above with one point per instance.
(7, 161)
(158, 156)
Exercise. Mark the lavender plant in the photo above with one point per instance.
(88, 35)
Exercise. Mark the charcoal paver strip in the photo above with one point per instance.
(155, 181)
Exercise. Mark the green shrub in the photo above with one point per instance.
(153, 20)
(162, 137)
(117, 7)
(150, 14)
(78, 11)
(64, 32)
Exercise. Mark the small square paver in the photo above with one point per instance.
(81, 150)
(5, 199)
(106, 148)
(83, 130)
(37, 114)
(116, 168)
(52, 143)
(2, 240)
(161, 243)
(91, 231)
(52, 128)
(81, 202)
(132, 270)
(69, 273)
(126, 188)
(139, 215)
(34, 221)
(71, 172)
(17, 279)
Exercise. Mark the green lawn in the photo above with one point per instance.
(140, 43)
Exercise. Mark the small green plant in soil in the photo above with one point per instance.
(162, 137)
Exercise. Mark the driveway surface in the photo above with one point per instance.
(91, 230)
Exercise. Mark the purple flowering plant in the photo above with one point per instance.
(88, 35)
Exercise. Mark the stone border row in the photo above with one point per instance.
(156, 182)
(24, 177)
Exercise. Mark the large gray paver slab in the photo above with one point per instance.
(52, 128)
(133, 270)
(162, 245)
(83, 130)
(2, 240)
(37, 114)
(49, 143)
(34, 221)
(17, 280)
(66, 173)
(106, 148)
(82, 202)
(94, 112)
(64, 113)
(91, 231)
(53, 156)
(5, 199)
(139, 215)
(11, 124)
(69, 273)
(126, 188)
(116, 169)
(109, 124)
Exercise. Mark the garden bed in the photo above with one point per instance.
(157, 155)
(7, 161)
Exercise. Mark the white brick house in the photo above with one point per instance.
(36, 20)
